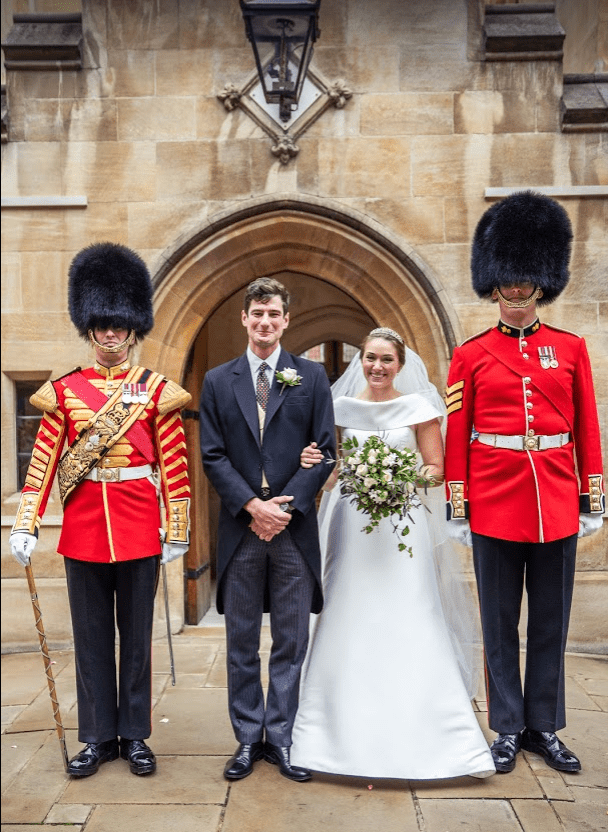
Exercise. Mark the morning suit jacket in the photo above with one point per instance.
(234, 459)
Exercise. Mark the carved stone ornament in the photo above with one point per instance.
(318, 95)
(285, 149)
(230, 96)
(339, 93)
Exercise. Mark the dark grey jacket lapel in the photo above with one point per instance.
(245, 395)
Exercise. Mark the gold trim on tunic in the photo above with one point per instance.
(179, 514)
(90, 446)
(172, 397)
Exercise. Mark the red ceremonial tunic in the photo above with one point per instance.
(530, 382)
(111, 521)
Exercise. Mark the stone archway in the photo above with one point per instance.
(308, 238)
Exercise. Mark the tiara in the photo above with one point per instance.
(383, 331)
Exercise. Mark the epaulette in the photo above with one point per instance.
(477, 335)
(172, 397)
(560, 329)
(45, 398)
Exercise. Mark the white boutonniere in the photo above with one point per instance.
(288, 378)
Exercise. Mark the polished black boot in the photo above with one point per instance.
(141, 758)
(504, 750)
(549, 746)
(241, 764)
(88, 760)
(279, 756)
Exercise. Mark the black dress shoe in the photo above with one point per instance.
(279, 756)
(241, 764)
(549, 746)
(504, 750)
(141, 758)
(88, 760)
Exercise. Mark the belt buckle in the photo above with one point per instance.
(532, 443)
(110, 474)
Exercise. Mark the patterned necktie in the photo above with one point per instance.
(262, 388)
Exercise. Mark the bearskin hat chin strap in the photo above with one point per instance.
(519, 304)
(128, 342)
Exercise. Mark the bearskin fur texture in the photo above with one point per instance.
(525, 237)
(109, 286)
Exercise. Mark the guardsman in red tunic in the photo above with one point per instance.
(123, 481)
(521, 411)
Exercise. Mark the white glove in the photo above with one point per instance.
(589, 524)
(171, 551)
(460, 530)
(22, 546)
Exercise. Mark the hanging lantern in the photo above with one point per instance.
(282, 34)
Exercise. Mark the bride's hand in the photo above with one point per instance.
(431, 450)
(431, 476)
(311, 455)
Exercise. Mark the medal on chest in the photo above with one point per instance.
(548, 358)
(134, 394)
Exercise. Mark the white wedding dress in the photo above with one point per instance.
(382, 693)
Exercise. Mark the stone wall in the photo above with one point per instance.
(165, 168)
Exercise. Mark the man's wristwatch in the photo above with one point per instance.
(285, 507)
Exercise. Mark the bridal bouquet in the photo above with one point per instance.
(381, 482)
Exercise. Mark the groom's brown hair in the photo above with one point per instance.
(264, 288)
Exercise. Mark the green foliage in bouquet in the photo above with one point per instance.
(381, 482)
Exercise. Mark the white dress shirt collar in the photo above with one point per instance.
(255, 362)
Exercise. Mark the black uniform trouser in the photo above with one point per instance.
(103, 596)
(501, 566)
(279, 566)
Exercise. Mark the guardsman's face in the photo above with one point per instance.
(517, 291)
(110, 338)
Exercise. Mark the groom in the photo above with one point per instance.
(257, 413)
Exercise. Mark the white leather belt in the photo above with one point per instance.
(119, 474)
(524, 443)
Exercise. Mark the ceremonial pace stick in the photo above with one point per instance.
(166, 591)
(47, 664)
(163, 535)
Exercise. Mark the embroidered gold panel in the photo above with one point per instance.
(179, 513)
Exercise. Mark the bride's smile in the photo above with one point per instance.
(380, 366)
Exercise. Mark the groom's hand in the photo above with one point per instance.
(267, 517)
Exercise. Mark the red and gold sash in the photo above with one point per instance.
(112, 420)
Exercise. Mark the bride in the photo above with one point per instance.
(390, 670)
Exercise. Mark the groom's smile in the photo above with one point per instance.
(265, 324)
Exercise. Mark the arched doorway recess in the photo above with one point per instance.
(310, 241)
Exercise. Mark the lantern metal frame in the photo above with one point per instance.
(282, 34)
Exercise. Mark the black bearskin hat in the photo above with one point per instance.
(523, 238)
(109, 286)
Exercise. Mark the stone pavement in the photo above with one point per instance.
(192, 739)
